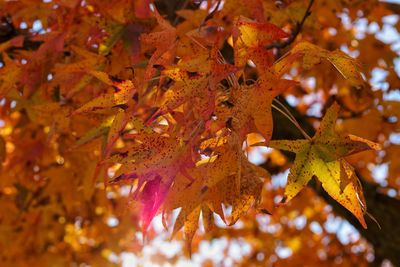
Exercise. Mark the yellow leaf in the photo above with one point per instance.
(250, 39)
(322, 156)
(311, 55)
(251, 111)
(120, 97)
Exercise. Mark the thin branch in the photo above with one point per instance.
(295, 32)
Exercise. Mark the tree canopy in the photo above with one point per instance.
(269, 129)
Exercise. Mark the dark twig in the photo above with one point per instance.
(184, 5)
(211, 14)
(7, 29)
(295, 32)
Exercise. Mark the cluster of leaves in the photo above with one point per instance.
(111, 109)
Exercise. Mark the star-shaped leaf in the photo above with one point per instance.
(251, 110)
(322, 156)
(250, 39)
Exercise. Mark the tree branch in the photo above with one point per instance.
(395, 7)
(295, 32)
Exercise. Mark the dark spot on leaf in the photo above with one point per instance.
(135, 97)
(168, 82)
(115, 79)
(229, 123)
(193, 75)
(121, 106)
(44, 201)
(56, 95)
(204, 189)
(158, 67)
(124, 154)
(228, 103)
(116, 89)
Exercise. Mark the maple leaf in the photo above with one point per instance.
(118, 125)
(251, 110)
(14, 42)
(322, 156)
(311, 55)
(218, 71)
(49, 113)
(73, 77)
(154, 154)
(188, 85)
(96, 132)
(9, 74)
(41, 61)
(142, 8)
(196, 78)
(226, 178)
(164, 41)
(154, 160)
(111, 127)
(250, 39)
(123, 91)
(151, 198)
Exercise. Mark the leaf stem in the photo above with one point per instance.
(291, 119)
